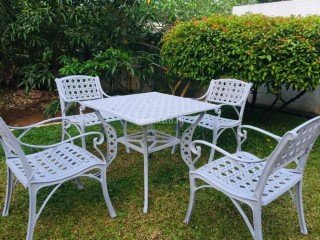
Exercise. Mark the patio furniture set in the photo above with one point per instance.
(241, 176)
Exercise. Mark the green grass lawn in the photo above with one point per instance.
(82, 214)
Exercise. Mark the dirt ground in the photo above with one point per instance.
(18, 108)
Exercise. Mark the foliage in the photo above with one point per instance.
(6, 12)
(167, 12)
(263, 50)
(43, 34)
(267, 1)
(46, 30)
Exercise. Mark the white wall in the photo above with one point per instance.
(284, 8)
(310, 102)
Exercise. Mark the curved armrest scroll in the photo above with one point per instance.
(276, 137)
(197, 150)
(98, 141)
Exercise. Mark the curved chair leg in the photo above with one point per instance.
(299, 205)
(257, 222)
(103, 180)
(125, 133)
(191, 199)
(214, 141)
(174, 148)
(32, 212)
(10, 186)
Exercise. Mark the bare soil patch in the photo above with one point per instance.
(18, 108)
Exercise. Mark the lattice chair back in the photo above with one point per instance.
(294, 146)
(228, 91)
(13, 149)
(79, 88)
(231, 92)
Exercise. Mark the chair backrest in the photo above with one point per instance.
(228, 91)
(294, 146)
(13, 149)
(231, 92)
(79, 88)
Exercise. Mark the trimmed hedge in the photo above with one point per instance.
(275, 51)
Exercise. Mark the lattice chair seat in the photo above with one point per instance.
(241, 179)
(91, 119)
(55, 163)
(211, 122)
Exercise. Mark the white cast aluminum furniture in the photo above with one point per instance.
(245, 178)
(53, 165)
(78, 88)
(225, 92)
(144, 110)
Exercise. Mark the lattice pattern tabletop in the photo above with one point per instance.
(148, 108)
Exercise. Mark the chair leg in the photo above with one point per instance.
(103, 180)
(174, 148)
(203, 130)
(79, 183)
(32, 212)
(10, 186)
(83, 139)
(257, 222)
(63, 130)
(125, 133)
(191, 199)
(299, 205)
(238, 137)
(214, 141)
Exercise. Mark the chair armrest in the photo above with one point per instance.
(276, 137)
(201, 98)
(40, 123)
(48, 121)
(105, 95)
(98, 141)
(197, 151)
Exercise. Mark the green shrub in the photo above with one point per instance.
(35, 35)
(263, 50)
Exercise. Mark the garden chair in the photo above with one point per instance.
(245, 178)
(226, 92)
(53, 165)
(77, 88)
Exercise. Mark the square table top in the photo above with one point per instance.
(148, 108)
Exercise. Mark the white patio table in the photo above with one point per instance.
(145, 109)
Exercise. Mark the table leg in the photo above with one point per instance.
(146, 168)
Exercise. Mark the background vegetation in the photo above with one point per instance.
(274, 52)
(118, 40)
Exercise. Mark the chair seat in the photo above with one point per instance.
(55, 164)
(240, 179)
(91, 118)
(210, 122)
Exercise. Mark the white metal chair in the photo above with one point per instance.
(77, 88)
(53, 165)
(245, 178)
(226, 92)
